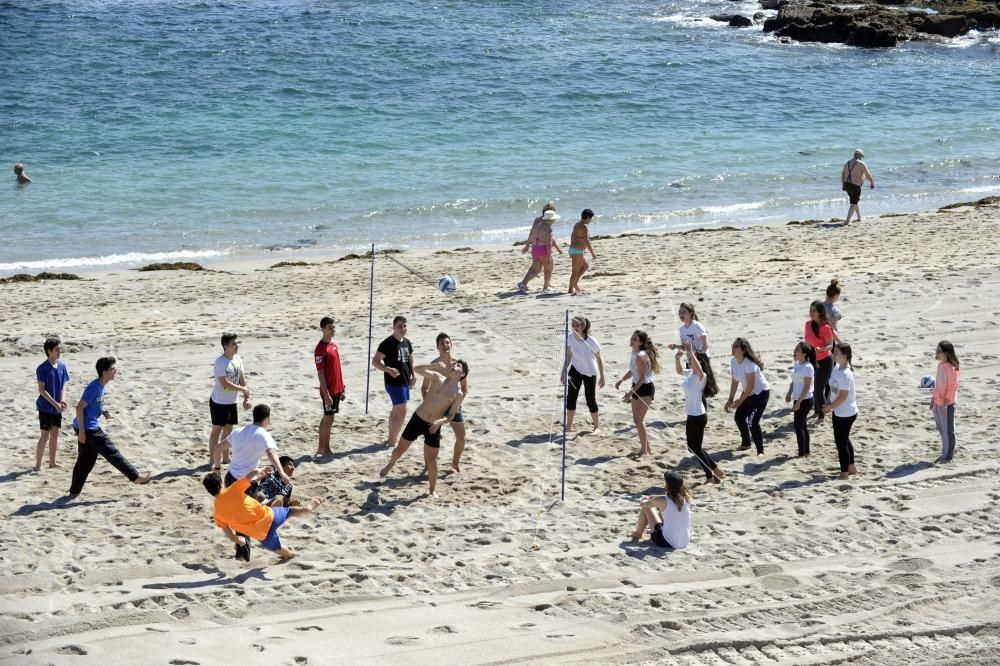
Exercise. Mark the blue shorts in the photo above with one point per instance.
(398, 394)
(271, 541)
(458, 418)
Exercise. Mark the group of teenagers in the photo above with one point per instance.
(251, 501)
(822, 383)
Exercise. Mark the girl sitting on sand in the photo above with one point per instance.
(844, 407)
(642, 364)
(945, 393)
(699, 383)
(748, 370)
(668, 515)
(691, 329)
(800, 393)
(820, 336)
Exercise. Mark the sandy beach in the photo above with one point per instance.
(787, 565)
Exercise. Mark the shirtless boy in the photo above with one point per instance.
(540, 242)
(579, 244)
(443, 401)
(457, 423)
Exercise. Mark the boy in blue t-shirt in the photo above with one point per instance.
(92, 440)
(52, 378)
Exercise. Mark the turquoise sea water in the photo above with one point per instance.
(178, 129)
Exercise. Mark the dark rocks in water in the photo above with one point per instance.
(175, 266)
(873, 25)
(734, 20)
(981, 203)
(758, 17)
(946, 25)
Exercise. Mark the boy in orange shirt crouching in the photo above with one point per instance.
(240, 516)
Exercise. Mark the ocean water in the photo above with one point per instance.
(168, 129)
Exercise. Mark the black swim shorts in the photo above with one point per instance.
(645, 391)
(417, 427)
(223, 415)
(48, 420)
(334, 406)
(656, 536)
(853, 192)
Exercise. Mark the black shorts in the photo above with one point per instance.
(645, 390)
(417, 427)
(853, 192)
(656, 536)
(334, 406)
(459, 418)
(47, 421)
(250, 491)
(223, 415)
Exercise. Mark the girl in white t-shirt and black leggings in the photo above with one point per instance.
(748, 370)
(699, 384)
(800, 393)
(583, 358)
(844, 406)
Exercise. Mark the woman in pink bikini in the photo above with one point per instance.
(540, 242)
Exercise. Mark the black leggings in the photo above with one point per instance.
(98, 444)
(695, 431)
(748, 417)
(573, 390)
(823, 370)
(801, 431)
(842, 437)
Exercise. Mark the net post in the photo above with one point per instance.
(371, 307)
(562, 494)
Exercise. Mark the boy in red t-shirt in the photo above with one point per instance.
(240, 516)
(331, 382)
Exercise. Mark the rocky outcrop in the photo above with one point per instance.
(869, 26)
(734, 20)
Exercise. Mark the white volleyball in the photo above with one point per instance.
(927, 382)
(448, 283)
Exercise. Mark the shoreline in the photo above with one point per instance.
(265, 259)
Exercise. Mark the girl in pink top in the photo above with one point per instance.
(820, 336)
(943, 402)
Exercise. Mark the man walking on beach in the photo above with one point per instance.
(443, 402)
(331, 382)
(853, 176)
(458, 421)
(92, 441)
(394, 357)
(229, 381)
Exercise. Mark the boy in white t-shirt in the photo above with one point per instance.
(249, 444)
(228, 381)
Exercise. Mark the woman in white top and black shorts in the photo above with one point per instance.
(699, 384)
(642, 365)
(844, 406)
(667, 516)
(748, 369)
(583, 356)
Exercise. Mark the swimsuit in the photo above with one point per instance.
(540, 251)
(575, 252)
